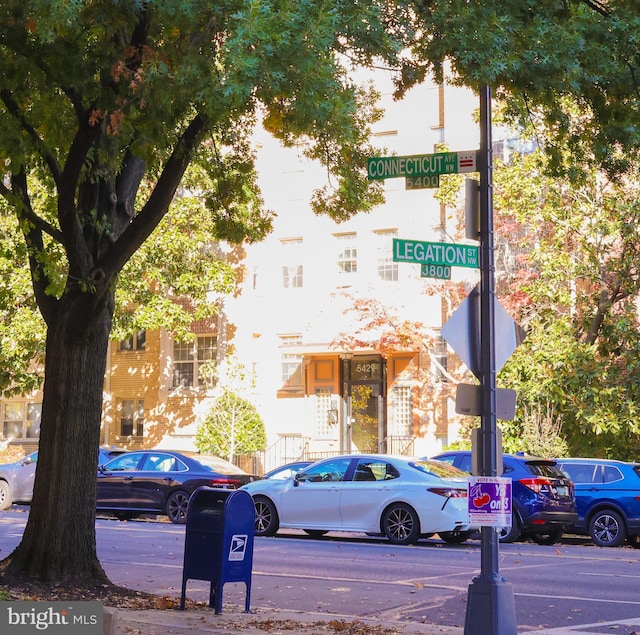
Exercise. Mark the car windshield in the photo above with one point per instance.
(330, 470)
(440, 469)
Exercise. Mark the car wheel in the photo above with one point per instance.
(176, 507)
(546, 538)
(454, 537)
(5, 495)
(315, 533)
(607, 529)
(267, 522)
(510, 534)
(400, 524)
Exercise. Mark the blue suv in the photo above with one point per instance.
(543, 500)
(608, 499)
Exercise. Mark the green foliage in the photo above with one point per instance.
(232, 427)
(460, 444)
(573, 284)
(540, 434)
(22, 333)
(178, 260)
(550, 60)
(595, 397)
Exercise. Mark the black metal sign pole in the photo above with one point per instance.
(490, 605)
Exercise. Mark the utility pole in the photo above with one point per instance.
(490, 605)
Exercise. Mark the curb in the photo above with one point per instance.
(109, 620)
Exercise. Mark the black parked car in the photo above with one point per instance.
(543, 499)
(608, 499)
(161, 482)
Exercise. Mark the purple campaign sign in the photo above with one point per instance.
(489, 501)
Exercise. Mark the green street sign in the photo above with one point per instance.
(435, 253)
(441, 272)
(420, 165)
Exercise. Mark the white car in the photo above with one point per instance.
(402, 498)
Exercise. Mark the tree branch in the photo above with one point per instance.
(159, 201)
(16, 113)
(33, 238)
(598, 7)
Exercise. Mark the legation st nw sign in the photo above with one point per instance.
(427, 253)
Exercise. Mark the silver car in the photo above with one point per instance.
(16, 479)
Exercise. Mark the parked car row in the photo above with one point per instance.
(133, 483)
(606, 494)
(402, 498)
(551, 497)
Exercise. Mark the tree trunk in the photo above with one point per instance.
(59, 542)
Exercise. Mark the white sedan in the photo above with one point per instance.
(402, 498)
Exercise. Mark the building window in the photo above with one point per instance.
(440, 359)
(21, 420)
(132, 418)
(323, 405)
(292, 263)
(136, 342)
(347, 253)
(402, 410)
(387, 268)
(291, 361)
(193, 362)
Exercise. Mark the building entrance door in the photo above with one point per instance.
(365, 426)
(363, 382)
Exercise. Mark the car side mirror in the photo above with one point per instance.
(296, 479)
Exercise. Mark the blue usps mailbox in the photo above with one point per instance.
(218, 544)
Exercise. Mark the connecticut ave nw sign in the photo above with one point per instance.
(420, 165)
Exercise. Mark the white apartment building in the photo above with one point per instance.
(316, 395)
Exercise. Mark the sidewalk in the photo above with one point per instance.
(206, 622)
(263, 622)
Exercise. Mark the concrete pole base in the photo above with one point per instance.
(490, 609)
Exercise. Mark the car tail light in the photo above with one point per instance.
(222, 481)
(448, 492)
(537, 484)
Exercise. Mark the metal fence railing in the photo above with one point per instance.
(298, 448)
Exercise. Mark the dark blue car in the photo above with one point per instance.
(543, 501)
(608, 499)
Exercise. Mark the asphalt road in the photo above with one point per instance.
(556, 586)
